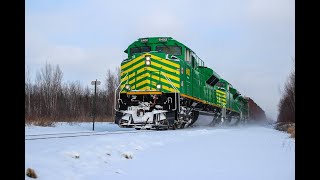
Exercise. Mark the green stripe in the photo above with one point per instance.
(137, 75)
(169, 72)
(157, 68)
(138, 68)
(153, 74)
(164, 64)
(152, 87)
(147, 78)
(151, 80)
(137, 62)
(159, 62)
(140, 80)
(147, 85)
(135, 83)
(163, 77)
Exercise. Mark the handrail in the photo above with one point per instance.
(239, 108)
(175, 92)
(115, 93)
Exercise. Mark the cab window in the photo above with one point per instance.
(174, 50)
(139, 50)
(135, 50)
(145, 49)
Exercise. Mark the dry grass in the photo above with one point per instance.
(291, 130)
(46, 122)
(50, 122)
(127, 155)
(31, 173)
(287, 127)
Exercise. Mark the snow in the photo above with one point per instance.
(205, 120)
(248, 152)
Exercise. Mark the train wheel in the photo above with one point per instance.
(183, 125)
(228, 121)
(166, 123)
(214, 121)
(237, 121)
(174, 126)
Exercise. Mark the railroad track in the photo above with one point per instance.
(77, 134)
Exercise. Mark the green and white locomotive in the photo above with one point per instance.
(164, 84)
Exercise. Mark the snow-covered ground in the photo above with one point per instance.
(224, 153)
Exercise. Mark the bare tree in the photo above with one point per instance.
(118, 76)
(110, 87)
(86, 102)
(48, 99)
(287, 102)
(49, 80)
(28, 89)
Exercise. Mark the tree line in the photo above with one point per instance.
(49, 99)
(287, 102)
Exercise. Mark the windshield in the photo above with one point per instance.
(140, 50)
(174, 50)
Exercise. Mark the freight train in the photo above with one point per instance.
(256, 113)
(164, 84)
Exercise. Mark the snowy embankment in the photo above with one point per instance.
(224, 153)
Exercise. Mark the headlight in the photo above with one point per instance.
(158, 86)
(128, 86)
(148, 62)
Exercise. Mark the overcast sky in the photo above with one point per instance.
(250, 43)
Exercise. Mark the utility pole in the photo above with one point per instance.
(95, 83)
